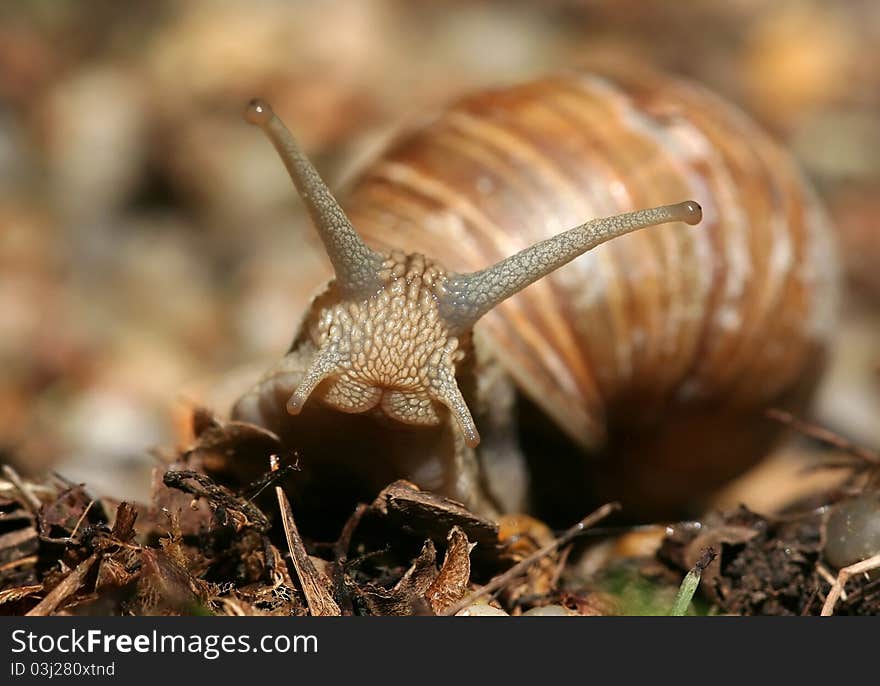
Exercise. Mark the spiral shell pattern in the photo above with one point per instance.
(731, 314)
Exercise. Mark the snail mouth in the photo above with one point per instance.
(411, 406)
(348, 395)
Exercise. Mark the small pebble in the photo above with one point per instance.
(481, 610)
(548, 611)
(852, 533)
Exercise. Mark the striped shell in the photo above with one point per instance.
(655, 346)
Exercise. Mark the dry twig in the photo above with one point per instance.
(29, 499)
(843, 576)
(65, 589)
(502, 580)
(825, 436)
(340, 558)
(81, 519)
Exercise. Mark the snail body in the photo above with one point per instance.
(654, 356)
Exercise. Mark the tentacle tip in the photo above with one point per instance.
(471, 437)
(295, 404)
(258, 112)
(691, 212)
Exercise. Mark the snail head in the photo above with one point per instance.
(390, 338)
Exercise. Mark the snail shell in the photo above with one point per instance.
(657, 352)
(655, 355)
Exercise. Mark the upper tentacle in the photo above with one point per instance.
(355, 264)
(469, 296)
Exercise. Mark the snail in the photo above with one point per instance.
(638, 372)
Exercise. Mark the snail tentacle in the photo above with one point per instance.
(355, 264)
(447, 392)
(323, 365)
(470, 296)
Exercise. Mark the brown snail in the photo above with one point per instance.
(655, 355)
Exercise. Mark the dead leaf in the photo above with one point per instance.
(112, 575)
(69, 512)
(407, 597)
(164, 587)
(233, 452)
(520, 536)
(451, 583)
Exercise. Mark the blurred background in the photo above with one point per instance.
(151, 246)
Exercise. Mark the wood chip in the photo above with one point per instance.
(432, 515)
(315, 586)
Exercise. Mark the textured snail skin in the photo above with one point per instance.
(656, 354)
